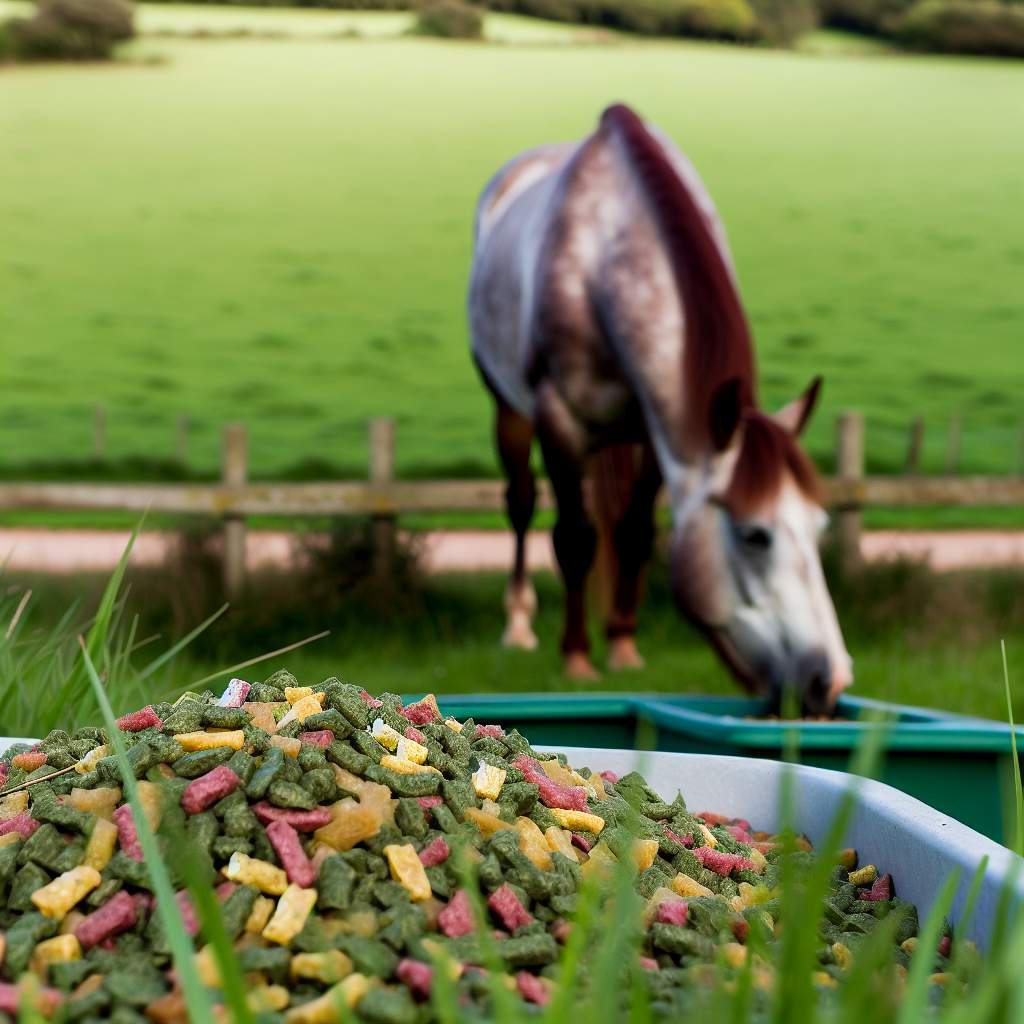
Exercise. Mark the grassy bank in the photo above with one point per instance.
(288, 240)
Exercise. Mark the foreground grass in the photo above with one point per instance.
(284, 228)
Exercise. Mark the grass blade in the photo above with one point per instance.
(198, 684)
(172, 652)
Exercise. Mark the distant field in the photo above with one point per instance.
(277, 230)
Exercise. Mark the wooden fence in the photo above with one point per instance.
(384, 498)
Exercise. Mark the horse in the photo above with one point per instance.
(605, 318)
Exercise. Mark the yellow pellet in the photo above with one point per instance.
(88, 763)
(533, 843)
(328, 968)
(734, 954)
(709, 839)
(823, 980)
(403, 767)
(864, 876)
(408, 871)
(843, 955)
(262, 908)
(578, 821)
(488, 824)
(410, 750)
(327, 1008)
(246, 870)
(385, 735)
(488, 780)
(848, 858)
(909, 946)
(644, 853)
(293, 694)
(206, 966)
(101, 801)
(600, 862)
(13, 804)
(268, 998)
(941, 978)
(57, 898)
(152, 799)
(234, 738)
(54, 951)
(291, 745)
(453, 724)
(10, 839)
(101, 845)
(560, 841)
(289, 918)
(759, 861)
(302, 709)
(684, 885)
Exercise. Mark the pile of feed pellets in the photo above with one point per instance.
(339, 832)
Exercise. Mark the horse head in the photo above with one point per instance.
(744, 561)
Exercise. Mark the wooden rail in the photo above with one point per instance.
(234, 498)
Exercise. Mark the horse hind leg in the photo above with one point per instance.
(515, 439)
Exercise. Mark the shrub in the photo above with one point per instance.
(876, 17)
(449, 19)
(784, 21)
(957, 26)
(72, 30)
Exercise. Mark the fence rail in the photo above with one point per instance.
(234, 498)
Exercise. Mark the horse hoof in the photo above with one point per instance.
(579, 666)
(623, 655)
(520, 637)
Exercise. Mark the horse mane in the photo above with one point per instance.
(718, 345)
(767, 452)
(718, 342)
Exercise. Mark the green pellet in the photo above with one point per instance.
(348, 702)
(420, 784)
(320, 785)
(235, 910)
(271, 962)
(202, 829)
(370, 956)
(199, 762)
(216, 717)
(347, 757)
(264, 775)
(311, 758)
(335, 884)
(23, 936)
(290, 794)
(366, 744)
(224, 846)
(331, 719)
(388, 1006)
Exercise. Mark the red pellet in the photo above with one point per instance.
(301, 821)
(235, 694)
(581, 842)
(710, 818)
(24, 824)
(417, 975)
(419, 714)
(412, 733)
(532, 989)
(436, 853)
(722, 863)
(46, 1000)
(317, 737)
(457, 917)
(205, 791)
(188, 912)
(561, 930)
(672, 912)
(494, 731)
(138, 720)
(739, 833)
(224, 890)
(372, 701)
(288, 848)
(505, 903)
(763, 846)
(127, 836)
(676, 838)
(881, 890)
(552, 794)
(945, 945)
(648, 964)
(610, 777)
(29, 761)
(426, 802)
(3, 772)
(740, 928)
(117, 915)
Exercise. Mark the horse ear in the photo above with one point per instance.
(794, 416)
(725, 411)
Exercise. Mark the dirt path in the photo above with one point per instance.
(69, 551)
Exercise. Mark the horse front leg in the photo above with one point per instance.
(633, 537)
(574, 536)
(515, 439)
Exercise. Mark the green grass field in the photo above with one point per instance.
(277, 230)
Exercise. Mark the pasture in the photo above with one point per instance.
(276, 228)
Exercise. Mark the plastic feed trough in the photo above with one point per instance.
(917, 844)
(957, 764)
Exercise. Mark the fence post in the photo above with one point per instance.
(916, 445)
(234, 472)
(850, 466)
(99, 432)
(382, 471)
(181, 440)
(953, 444)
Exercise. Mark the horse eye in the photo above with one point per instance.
(757, 538)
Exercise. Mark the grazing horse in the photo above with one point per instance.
(604, 313)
